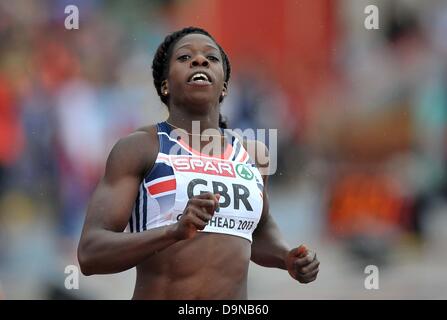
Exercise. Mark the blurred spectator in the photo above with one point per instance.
(370, 156)
(11, 134)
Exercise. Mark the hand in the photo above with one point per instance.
(302, 264)
(198, 211)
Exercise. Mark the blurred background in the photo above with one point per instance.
(361, 118)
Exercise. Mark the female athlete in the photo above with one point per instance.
(195, 218)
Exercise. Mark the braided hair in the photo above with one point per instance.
(160, 64)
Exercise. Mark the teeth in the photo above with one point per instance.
(199, 77)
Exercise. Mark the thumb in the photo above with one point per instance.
(300, 252)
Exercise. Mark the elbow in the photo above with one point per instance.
(85, 267)
(86, 263)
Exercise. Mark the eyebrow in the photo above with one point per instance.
(188, 44)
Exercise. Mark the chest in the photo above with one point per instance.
(239, 184)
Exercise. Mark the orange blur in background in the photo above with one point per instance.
(361, 118)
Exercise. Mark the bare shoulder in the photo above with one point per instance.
(134, 154)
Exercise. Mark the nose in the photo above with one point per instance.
(199, 60)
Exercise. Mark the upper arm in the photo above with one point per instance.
(112, 201)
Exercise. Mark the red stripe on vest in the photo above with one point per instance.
(163, 186)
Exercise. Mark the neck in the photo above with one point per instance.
(182, 117)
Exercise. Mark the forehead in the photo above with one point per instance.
(195, 40)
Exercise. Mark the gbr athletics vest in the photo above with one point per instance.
(180, 173)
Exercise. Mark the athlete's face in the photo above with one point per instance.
(196, 72)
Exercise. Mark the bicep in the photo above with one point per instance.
(112, 202)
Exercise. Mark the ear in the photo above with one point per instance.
(224, 90)
(165, 88)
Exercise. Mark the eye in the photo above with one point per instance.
(183, 57)
(213, 58)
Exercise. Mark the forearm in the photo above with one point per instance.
(105, 251)
(269, 248)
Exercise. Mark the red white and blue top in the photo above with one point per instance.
(180, 172)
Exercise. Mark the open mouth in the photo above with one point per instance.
(200, 78)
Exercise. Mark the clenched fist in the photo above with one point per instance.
(198, 212)
(302, 264)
